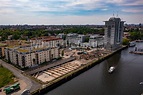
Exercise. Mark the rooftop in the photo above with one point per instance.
(23, 50)
(2, 44)
(46, 38)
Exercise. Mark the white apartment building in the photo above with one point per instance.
(30, 56)
(61, 35)
(96, 40)
(75, 39)
(71, 38)
(80, 39)
(47, 41)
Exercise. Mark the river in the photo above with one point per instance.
(97, 81)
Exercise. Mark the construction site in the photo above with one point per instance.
(82, 57)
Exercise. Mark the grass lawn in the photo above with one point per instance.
(6, 77)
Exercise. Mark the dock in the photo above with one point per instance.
(136, 52)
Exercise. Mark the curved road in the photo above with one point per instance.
(31, 84)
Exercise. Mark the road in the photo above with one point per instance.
(56, 63)
(31, 84)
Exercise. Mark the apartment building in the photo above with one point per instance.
(47, 41)
(113, 33)
(30, 56)
(96, 40)
(2, 46)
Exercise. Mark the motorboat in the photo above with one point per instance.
(141, 83)
(111, 69)
(132, 44)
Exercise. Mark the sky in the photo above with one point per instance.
(79, 12)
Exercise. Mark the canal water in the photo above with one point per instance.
(125, 80)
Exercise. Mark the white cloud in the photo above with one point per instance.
(6, 11)
(104, 9)
(135, 3)
(23, 0)
(133, 10)
(115, 1)
(26, 11)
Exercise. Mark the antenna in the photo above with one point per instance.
(117, 13)
(113, 14)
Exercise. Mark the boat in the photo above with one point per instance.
(132, 44)
(111, 69)
(141, 83)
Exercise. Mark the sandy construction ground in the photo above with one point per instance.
(51, 74)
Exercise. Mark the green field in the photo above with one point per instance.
(6, 77)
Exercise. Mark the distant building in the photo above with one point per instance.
(81, 39)
(96, 40)
(61, 35)
(113, 33)
(2, 46)
(47, 41)
(10, 37)
(71, 38)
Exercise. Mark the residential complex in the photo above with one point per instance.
(78, 40)
(47, 41)
(30, 56)
(96, 40)
(40, 50)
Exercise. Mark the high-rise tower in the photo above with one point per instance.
(113, 33)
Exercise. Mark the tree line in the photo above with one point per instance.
(30, 33)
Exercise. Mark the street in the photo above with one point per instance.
(30, 84)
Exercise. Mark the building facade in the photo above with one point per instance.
(30, 56)
(47, 41)
(113, 33)
(96, 40)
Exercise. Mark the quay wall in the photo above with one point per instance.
(59, 81)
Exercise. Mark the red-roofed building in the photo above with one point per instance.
(47, 41)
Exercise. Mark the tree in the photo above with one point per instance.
(16, 36)
(62, 52)
(86, 39)
(125, 41)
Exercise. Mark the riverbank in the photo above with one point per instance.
(51, 85)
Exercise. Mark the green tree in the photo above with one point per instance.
(125, 41)
(87, 39)
(62, 52)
